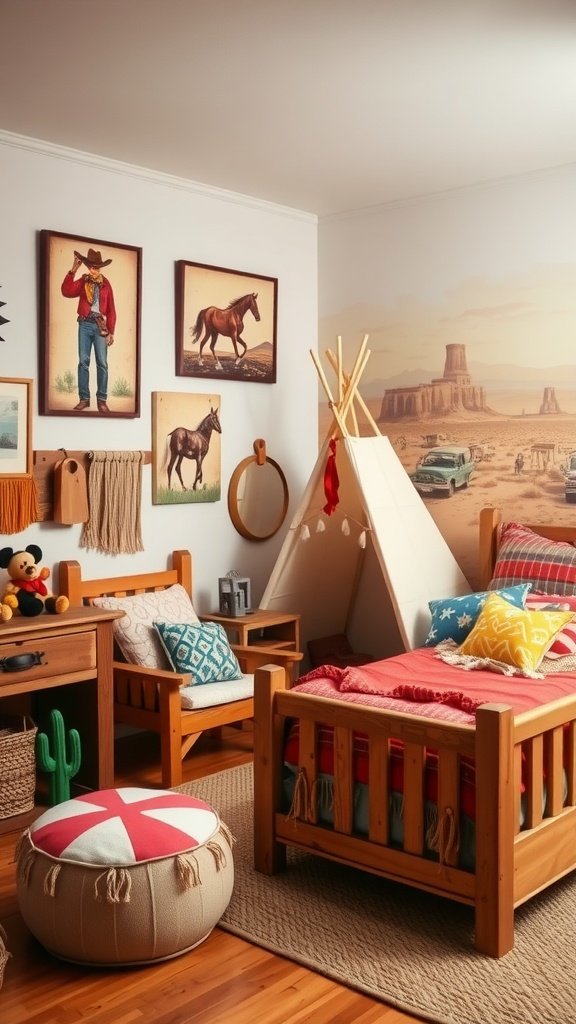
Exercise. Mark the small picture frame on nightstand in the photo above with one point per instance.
(234, 595)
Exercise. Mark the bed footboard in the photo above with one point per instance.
(510, 864)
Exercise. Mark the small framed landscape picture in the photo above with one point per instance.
(225, 323)
(186, 436)
(15, 427)
(89, 327)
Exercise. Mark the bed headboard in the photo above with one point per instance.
(490, 522)
(80, 591)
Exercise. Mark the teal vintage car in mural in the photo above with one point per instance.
(443, 470)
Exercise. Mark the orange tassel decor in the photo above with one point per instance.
(18, 504)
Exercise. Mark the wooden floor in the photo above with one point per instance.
(224, 981)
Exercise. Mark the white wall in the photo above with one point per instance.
(417, 250)
(47, 187)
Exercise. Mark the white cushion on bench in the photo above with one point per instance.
(210, 694)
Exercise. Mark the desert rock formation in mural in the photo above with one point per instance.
(450, 394)
(550, 406)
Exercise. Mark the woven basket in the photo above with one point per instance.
(17, 766)
(4, 954)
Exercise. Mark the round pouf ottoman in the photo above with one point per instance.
(124, 876)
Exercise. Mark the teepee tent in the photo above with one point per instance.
(363, 556)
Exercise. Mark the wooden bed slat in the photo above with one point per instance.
(554, 769)
(449, 804)
(534, 775)
(414, 757)
(517, 787)
(343, 781)
(307, 761)
(570, 756)
(379, 791)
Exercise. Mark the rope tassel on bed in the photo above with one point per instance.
(299, 807)
(445, 840)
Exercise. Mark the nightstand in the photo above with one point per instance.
(261, 628)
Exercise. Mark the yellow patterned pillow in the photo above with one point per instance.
(513, 635)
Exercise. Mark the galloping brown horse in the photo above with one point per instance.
(192, 444)
(228, 322)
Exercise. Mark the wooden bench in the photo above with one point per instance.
(149, 699)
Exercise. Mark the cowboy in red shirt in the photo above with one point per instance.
(96, 324)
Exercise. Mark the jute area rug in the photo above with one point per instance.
(407, 948)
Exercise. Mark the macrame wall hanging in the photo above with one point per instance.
(115, 502)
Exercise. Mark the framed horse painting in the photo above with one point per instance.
(186, 436)
(225, 323)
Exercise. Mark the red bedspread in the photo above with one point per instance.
(410, 675)
(417, 682)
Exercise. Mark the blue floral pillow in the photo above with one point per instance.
(454, 617)
(202, 649)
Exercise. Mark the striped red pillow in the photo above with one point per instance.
(526, 557)
(564, 644)
(559, 602)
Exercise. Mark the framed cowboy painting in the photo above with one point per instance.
(225, 323)
(90, 327)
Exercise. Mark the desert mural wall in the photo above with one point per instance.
(469, 301)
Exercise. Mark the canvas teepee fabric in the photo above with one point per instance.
(369, 567)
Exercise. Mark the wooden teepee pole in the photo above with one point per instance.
(357, 371)
(357, 397)
(333, 405)
(347, 387)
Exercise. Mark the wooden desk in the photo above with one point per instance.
(76, 649)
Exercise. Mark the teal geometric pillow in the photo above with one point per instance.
(454, 617)
(201, 649)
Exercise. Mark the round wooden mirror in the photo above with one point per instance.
(258, 495)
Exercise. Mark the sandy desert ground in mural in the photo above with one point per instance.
(534, 495)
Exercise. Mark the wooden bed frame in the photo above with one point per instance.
(511, 865)
(150, 698)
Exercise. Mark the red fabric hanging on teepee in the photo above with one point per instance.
(331, 481)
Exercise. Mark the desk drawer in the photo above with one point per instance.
(61, 655)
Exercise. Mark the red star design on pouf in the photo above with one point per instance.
(124, 826)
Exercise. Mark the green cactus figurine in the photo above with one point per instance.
(60, 770)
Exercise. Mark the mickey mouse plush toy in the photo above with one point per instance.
(26, 593)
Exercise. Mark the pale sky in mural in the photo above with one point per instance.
(529, 320)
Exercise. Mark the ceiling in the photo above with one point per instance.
(326, 106)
